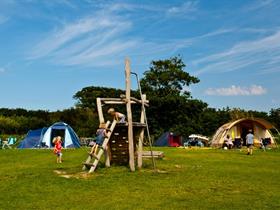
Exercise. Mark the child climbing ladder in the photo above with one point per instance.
(97, 157)
(101, 133)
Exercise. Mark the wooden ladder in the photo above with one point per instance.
(88, 163)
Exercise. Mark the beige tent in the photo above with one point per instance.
(238, 129)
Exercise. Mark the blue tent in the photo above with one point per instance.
(32, 139)
(70, 138)
(43, 137)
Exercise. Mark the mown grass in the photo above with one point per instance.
(185, 179)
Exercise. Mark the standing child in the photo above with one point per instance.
(57, 148)
(250, 142)
(119, 117)
(100, 136)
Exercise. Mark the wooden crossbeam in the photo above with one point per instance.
(122, 100)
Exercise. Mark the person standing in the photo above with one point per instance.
(57, 148)
(250, 142)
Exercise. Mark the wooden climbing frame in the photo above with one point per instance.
(120, 147)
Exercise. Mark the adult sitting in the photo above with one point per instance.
(228, 141)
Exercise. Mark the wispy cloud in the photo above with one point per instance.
(185, 8)
(105, 37)
(96, 40)
(100, 39)
(120, 7)
(260, 4)
(237, 91)
(72, 32)
(261, 55)
(98, 56)
(85, 40)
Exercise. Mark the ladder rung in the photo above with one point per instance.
(101, 151)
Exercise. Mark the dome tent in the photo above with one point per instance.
(70, 138)
(32, 139)
(238, 130)
(42, 138)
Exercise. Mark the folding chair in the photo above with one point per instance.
(5, 144)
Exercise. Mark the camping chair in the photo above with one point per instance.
(200, 144)
(5, 144)
(266, 142)
(12, 140)
(237, 143)
(261, 144)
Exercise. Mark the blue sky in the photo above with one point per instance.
(49, 50)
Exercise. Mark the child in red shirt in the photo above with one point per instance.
(57, 148)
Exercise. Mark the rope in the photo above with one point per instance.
(146, 121)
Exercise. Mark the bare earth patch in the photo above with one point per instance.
(81, 175)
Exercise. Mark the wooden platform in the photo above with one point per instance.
(156, 154)
(119, 142)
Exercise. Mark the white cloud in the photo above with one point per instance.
(88, 41)
(258, 5)
(97, 56)
(120, 7)
(237, 91)
(75, 32)
(100, 40)
(185, 8)
(261, 55)
(96, 40)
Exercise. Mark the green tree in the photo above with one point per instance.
(8, 125)
(167, 77)
(212, 119)
(274, 116)
(171, 107)
(86, 98)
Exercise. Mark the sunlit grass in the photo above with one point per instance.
(185, 179)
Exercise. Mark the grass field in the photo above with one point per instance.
(186, 179)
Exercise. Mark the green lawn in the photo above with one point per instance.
(186, 179)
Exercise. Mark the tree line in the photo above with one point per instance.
(171, 107)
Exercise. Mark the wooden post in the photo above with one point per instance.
(141, 136)
(107, 150)
(99, 110)
(129, 115)
(107, 157)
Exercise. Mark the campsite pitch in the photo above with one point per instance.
(184, 179)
